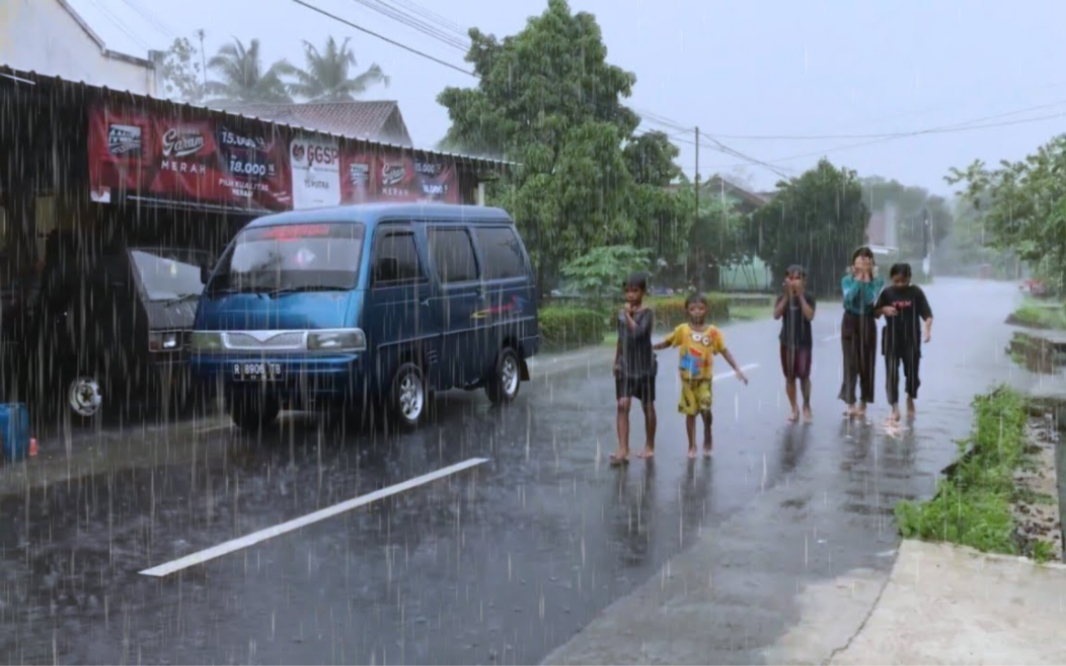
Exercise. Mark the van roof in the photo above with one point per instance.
(370, 214)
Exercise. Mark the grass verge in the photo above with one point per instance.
(972, 506)
(1039, 314)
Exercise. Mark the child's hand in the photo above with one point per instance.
(742, 377)
(928, 336)
(889, 311)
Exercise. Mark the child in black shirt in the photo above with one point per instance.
(635, 367)
(908, 321)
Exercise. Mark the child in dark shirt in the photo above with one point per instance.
(635, 367)
(908, 322)
(795, 308)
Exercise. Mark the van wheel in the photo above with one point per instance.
(506, 378)
(409, 399)
(253, 415)
(85, 397)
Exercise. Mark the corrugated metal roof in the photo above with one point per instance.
(20, 77)
(355, 119)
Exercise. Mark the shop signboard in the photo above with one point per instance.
(316, 172)
(146, 153)
(404, 178)
(357, 182)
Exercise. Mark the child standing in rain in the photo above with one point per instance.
(795, 309)
(635, 367)
(858, 330)
(908, 320)
(697, 343)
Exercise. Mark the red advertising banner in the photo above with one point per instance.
(402, 178)
(207, 161)
(390, 177)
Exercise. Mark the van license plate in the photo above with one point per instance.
(257, 372)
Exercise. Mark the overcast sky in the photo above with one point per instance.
(737, 68)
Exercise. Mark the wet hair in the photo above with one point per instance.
(694, 299)
(863, 251)
(797, 270)
(636, 281)
(902, 270)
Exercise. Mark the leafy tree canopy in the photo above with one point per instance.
(1023, 204)
(548, 99)
(816, 220)
(241, 77)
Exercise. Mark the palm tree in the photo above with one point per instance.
(241, 75)
(327, 78)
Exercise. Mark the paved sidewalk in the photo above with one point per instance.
(950, 605)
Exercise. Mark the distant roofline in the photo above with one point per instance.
(104, 50)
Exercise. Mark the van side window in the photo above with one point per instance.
(502, 253)
(453, 255)
(396, 259)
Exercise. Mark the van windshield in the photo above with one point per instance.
(295, 257)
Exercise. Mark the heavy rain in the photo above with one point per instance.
(545, 331)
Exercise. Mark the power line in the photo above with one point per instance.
(886, 135)
(150, 18)
(446, 23)
(385, 39)
(399, 15)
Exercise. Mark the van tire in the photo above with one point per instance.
(506, 380)
(409, 396)
(253, 415)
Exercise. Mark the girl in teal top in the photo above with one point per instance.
(858, 331)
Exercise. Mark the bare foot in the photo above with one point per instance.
(691, 454)
(793, 417)
(860, 412)
(708, 449)
(647, 453)
(807, 416)
(910, 408)
(893, 418)
(852, 410)
(620, 458)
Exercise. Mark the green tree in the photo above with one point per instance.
(548, 99)
(182, 72)
(241, 77)
(817, 220)
(600, 272)
(327, 76)
(1023, 205)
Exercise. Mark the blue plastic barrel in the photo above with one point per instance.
(14, 430)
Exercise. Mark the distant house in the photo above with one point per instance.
(374, 121)
(745, 201)
(51, 37)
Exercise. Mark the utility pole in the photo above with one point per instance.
(696, 214)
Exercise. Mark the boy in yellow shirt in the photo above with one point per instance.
(697, 343)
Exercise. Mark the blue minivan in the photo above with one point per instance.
(371, 306)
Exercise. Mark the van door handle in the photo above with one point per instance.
(425, 303)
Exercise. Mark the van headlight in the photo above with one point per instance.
(164, 341)
(347, 339)
(205, 341)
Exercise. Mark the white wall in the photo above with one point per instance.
(41, 36)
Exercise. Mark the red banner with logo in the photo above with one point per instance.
(208, 161)
(394, 177)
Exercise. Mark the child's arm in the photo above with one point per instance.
(806, 308)
(668, 341)
(779, 307)
(926, 314)
(733, 363)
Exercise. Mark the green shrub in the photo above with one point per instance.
(670, 310)
(973, 504)
(569, 326)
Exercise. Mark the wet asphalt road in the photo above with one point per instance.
(498, 564)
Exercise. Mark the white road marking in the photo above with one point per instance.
(295, 524)
(835, 336)
(743, 368)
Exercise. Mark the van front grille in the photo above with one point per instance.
(280, 340)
